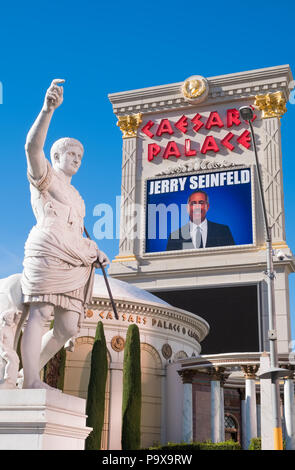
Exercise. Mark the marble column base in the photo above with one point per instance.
(42, 419)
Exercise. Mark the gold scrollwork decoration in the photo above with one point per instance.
(271, 104)
(129, 124)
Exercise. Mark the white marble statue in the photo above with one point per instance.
(9, 360)
(59, 261)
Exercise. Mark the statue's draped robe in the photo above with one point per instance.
(58, 262)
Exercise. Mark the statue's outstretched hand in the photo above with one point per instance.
(54, 95)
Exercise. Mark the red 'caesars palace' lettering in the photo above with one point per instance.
(166, 128)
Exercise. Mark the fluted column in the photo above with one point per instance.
(272, 106)
(289, 412)
(222, 430)
(250, 405)
(217, 404)
(243, 418)
(128, 125)
(187, 409)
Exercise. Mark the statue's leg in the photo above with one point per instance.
(65, 326)
(31, 343)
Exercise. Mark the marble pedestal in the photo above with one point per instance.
(42, 420)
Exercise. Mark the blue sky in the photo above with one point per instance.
(100, 48)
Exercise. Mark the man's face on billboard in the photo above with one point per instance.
(197, 207)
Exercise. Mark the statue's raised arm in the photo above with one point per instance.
(38, 132)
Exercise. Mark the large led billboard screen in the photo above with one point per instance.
(201, 210)
(233, 314)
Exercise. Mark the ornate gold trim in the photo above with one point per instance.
(129, 124)
(119, 259)
(250, 371)
(271, 104)
(274, 245)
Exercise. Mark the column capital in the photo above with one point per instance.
(186, 376)
(217, 373)
(271, 104)
(129, 124)
(250, 370)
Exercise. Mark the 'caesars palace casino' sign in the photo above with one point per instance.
(195, 90)
(167, 128)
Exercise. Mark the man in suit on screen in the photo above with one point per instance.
(199, 232)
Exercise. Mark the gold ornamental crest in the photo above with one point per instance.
(195, 89)
(117, 343)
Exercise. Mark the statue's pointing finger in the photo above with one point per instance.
(57, 81)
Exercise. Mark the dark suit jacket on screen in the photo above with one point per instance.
(217, 235)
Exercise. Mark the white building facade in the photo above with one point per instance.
(204, 338)
(190, 136)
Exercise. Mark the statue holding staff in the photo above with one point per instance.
(59, 261)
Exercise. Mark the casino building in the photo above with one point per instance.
(198, 295)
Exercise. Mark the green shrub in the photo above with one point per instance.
(208, 445)
(131, 406)
(255, 443)
(96, 390)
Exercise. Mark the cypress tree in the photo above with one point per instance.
(96, 390)
(131, 406)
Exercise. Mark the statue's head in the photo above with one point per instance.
(66, 155)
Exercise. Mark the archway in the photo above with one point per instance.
(151, 380)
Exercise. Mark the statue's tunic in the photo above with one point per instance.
(58, 263)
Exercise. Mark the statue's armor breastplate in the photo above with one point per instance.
(58, 206)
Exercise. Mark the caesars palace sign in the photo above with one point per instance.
(210, 143)
(177, 122)
(195, 90)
